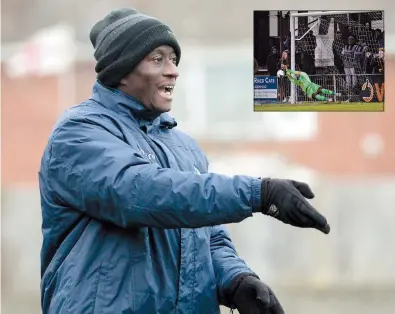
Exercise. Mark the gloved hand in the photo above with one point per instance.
(286, 201)
(252, 296)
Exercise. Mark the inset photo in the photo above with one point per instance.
(319, 61)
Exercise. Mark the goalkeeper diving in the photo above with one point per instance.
(312, 90)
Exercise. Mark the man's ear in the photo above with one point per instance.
(124, 80)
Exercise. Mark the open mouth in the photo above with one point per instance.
(166, 91)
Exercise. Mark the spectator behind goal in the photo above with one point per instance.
(349, 62)
(284, 63)
(368, 61)
(378, 62)
(360, 50)
(337, 47)
(271, 61)
(379, 37)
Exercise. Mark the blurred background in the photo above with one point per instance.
(348, 158)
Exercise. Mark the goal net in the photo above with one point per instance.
(339, 50)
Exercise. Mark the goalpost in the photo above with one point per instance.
(321, 41)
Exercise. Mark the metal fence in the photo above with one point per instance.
(348, 86)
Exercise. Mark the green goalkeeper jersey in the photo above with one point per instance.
(303, 81)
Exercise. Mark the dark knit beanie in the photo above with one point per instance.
(122, 39)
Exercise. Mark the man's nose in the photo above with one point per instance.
(171, 69)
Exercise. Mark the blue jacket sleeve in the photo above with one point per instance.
(91, 170)
(226, 262)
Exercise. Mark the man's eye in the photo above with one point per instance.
(158, 59)
(174, 60)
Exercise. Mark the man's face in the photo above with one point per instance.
(351, 40)
(274, 51)
(153, 80)
(381, 54)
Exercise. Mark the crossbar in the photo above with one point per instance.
(329, 13)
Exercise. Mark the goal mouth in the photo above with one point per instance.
(320, 43)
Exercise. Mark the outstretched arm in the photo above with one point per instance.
(93, 171)
(292, 79)
(289, 72)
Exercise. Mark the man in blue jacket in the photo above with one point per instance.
(132, 219)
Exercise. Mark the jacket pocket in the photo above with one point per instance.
(111, 292)
(142, 298)
(101, 295)
(83, 297)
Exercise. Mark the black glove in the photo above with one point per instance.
(252, 296)
(285, 201)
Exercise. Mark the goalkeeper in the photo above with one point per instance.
(312, 90)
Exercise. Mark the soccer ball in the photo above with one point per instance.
(280, 73)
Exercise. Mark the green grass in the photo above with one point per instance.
(320, 106)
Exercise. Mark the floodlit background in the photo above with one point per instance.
(348, 158)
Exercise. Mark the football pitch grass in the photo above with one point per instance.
(322, 106)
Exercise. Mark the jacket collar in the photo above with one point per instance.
(126, 105)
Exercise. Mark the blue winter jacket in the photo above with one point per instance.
(132, 220)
